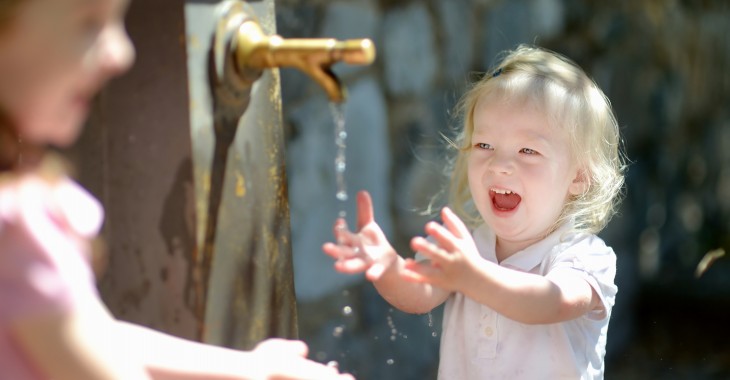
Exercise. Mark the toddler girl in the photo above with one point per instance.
(528, 285)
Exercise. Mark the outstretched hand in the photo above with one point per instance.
(450, 259)
(365, 250)
(287, 360)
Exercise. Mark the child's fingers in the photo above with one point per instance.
(338, 252)
(454, 224)
(412, 276)
(432, 251)
(332, 250)
(421, 245)
(341, 231)
(352, 265)
(341, 251)
(284, 347)
(365, 214)
(345, 237)
(420, 271)
(340, 225)
(442, 236)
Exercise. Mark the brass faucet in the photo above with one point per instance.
(254, 51)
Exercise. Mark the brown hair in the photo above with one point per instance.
(7, 11)
(9, 148)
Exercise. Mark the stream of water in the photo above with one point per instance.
(340, 163)
(338, 116)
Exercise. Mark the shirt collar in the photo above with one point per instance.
(526, 259)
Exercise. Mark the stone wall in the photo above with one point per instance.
(665, 66)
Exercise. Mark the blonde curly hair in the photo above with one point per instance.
(571, 100)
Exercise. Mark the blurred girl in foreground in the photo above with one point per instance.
(54, 56)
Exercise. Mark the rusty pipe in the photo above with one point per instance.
(254, 51)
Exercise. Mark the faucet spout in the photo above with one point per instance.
(254, 51)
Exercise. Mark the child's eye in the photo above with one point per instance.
(528, 151)
(483, 146)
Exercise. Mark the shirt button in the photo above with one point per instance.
(488, 331)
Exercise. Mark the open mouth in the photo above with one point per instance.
(504, 200)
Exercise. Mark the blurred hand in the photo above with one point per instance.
(283, 359)
(366, 250)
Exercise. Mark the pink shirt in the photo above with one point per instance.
(45, 228)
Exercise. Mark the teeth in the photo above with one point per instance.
(500, 191)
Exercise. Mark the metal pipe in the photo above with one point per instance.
(254, 51)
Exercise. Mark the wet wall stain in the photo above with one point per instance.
(177, 227)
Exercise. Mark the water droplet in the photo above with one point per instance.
(390, 361)
(342, 195)
(433, 334)
(392, 338)
(337, 332)
(346, 311)
(342, 135)
(333, 364)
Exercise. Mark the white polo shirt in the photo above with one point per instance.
(479, 343)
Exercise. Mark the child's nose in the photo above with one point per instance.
(501, 164)
(117, 52)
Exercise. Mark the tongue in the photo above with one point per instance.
(506, 201)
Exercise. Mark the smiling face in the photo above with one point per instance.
(520, 172)
(55, 55)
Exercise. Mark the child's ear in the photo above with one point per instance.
(580, 183)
